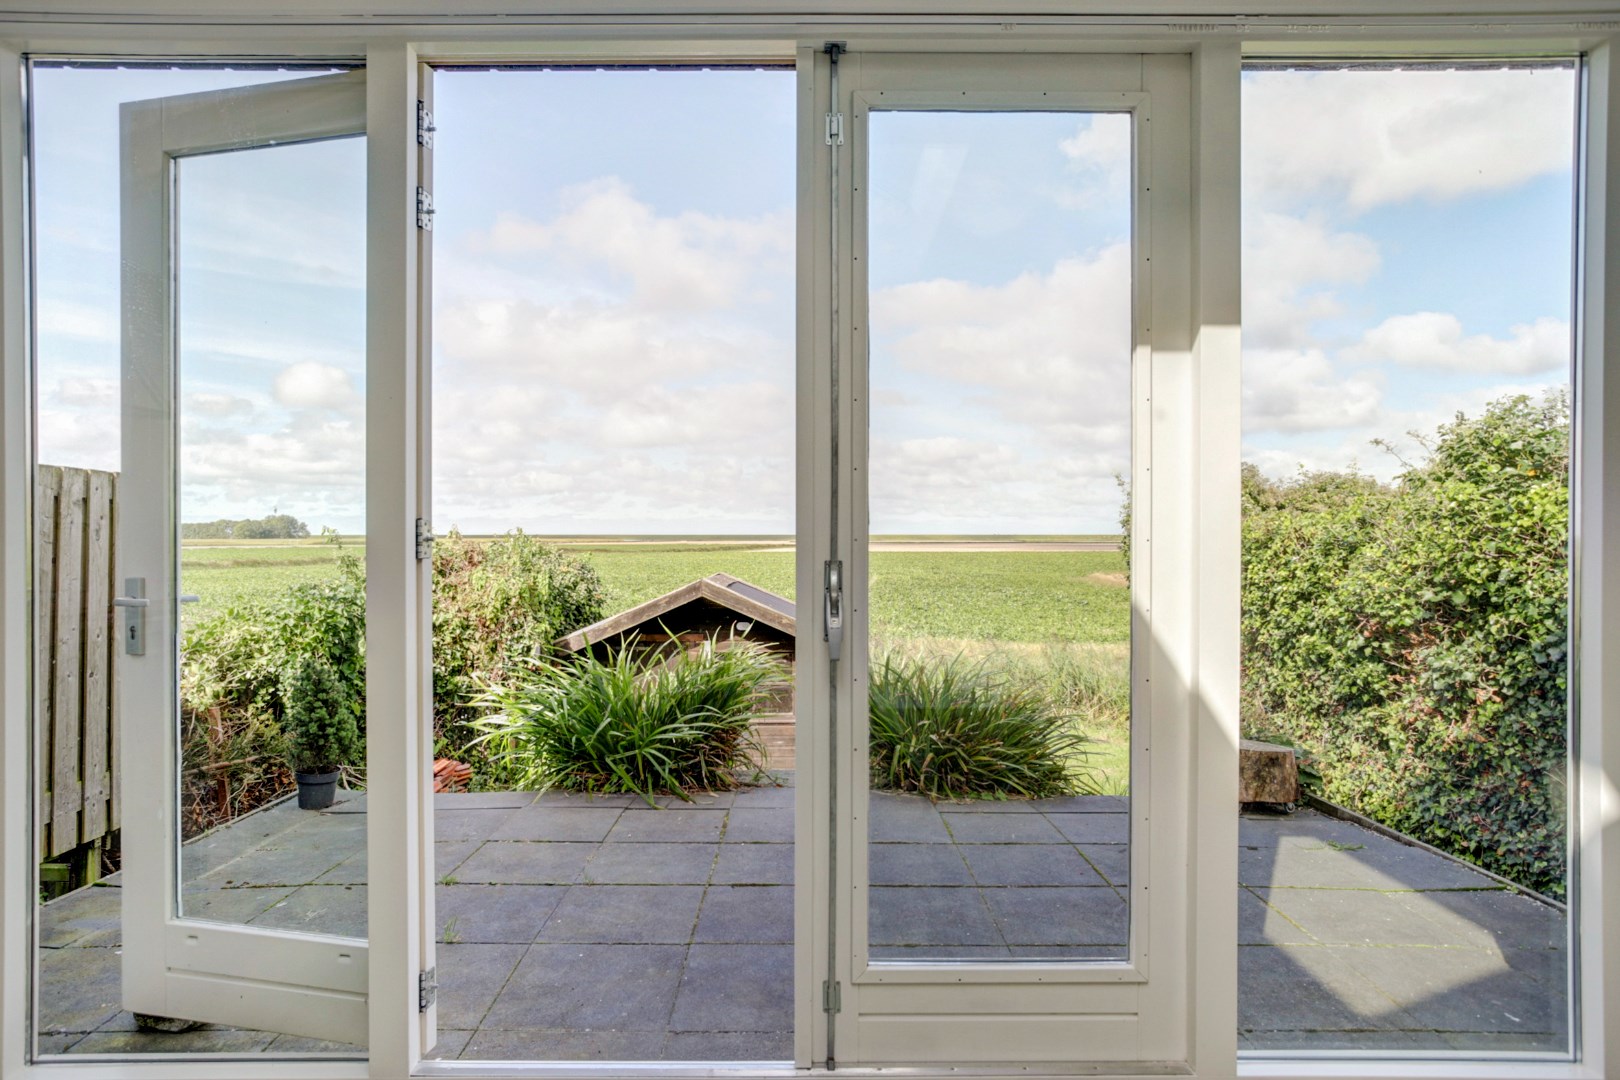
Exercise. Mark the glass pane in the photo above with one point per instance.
(999, 687)
(271, 515)
(613, 448)
(1405, 524)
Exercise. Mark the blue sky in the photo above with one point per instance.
(614, 295)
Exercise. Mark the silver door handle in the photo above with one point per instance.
(134, 605)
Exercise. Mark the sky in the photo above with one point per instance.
(614, 299)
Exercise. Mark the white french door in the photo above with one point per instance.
(1002, 323)
(184, 958)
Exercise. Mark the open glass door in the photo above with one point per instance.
(1012, 823)
(242, 250)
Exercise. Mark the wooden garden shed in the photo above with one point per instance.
(719, 606)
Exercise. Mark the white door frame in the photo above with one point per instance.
(175, 966)
(194, 28)
(1137, 1011)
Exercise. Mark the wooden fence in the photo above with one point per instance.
(75, 656)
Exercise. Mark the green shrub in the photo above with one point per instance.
(498, 605)
(646, 721)
(319, 717)
(954, 728)
(1413, 637)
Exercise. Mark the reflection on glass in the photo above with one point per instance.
(270, 518)
(999, 684)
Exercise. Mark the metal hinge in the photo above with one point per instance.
(424, 209)
(832, 627)
(835, 129)
(424, 539)
(427, 988)
(832, 997)
(424, 126)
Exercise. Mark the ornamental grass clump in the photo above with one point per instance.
(953, 728)
(649, 721)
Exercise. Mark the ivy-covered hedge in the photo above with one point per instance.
(1413, 636)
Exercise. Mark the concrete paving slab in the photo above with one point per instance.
(206, 1040)
(470, 977)
(1093, 828)
(319, 909)
(1489, 918)
(79, 989)
(642, 825)
(553, 822)
(1112, 861)
(517, 862)
(590, 987)
(1355, 917)
(1059, 916)
(471, 823)
(494, 914)
(765, 796)
(1309, 988)
(1261, 924)
(700, 1046)
(619, 914)
(1029, 864)
(746, 914)
(927, 916)
(81, 914)
(917, 864)
(1463, 989)
(635, 863)
(235, 905)
(450, 854)
(735, 988)
(543, 1044)
(754, 864)
(450, 1044)
(753, 825)
(1002, 829)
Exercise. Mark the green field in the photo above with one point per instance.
(1042, 611)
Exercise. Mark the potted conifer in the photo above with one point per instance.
(319, 719)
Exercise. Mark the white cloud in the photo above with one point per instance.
(310, 384)
(87, 392)
(1049, 352)
(1433, 339)
(615, 369)
(217, 405)
(1300, 390)
(680, 263)
(1375, 138)
(1285, 260)
(77, 321)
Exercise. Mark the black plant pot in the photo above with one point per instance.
(317, 791)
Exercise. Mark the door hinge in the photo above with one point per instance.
(424, 539)
(424, 126)
(427, 988)
(424, 209)
(832, 997)
(835, 129)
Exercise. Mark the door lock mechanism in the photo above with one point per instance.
(134, 605)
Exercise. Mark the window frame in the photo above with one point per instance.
(396, 50)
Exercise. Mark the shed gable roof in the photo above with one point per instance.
(749, 601)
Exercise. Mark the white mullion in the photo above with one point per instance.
(395, 754)
(16, 501)
(1596, 585)
(1217, 365)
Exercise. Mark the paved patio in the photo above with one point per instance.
(576, 928)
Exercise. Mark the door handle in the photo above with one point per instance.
(134, 605)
